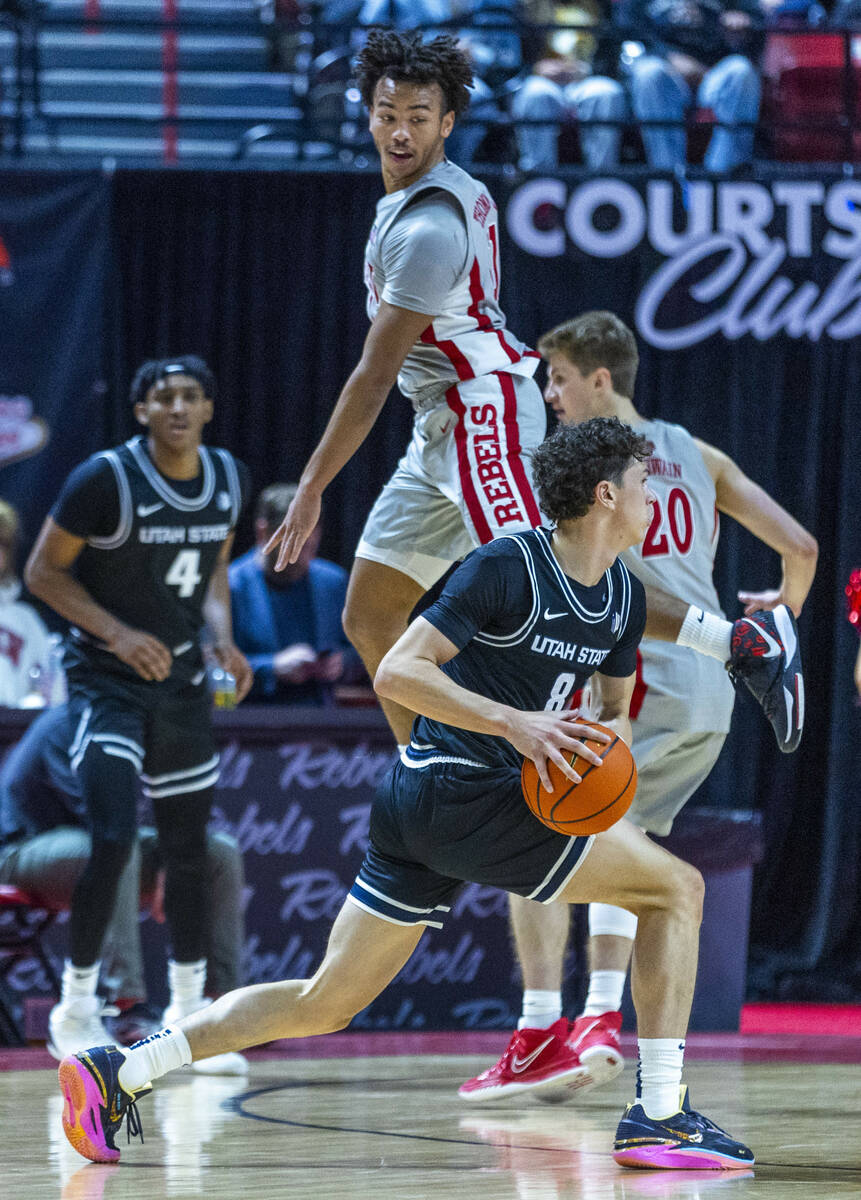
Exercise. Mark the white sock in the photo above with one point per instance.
(167, 1050)
(659, 1075)
(186, 981)
(79, 983)
(706, 633)
(540, 1009)
(402, 746)
(605, 993)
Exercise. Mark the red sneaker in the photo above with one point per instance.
(595, 1040)
(540, 1061)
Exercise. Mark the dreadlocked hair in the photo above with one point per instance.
(404, 57)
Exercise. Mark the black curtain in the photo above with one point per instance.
(261, 274)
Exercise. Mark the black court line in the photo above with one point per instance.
(773, 1170)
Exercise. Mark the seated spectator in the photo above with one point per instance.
(44, 847)
(24, 641)
(701, 51)
(563, 85)
(288, 623)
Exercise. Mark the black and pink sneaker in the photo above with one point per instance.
(96, 1103)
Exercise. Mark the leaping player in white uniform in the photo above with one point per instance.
(680, 711)
(432, 274)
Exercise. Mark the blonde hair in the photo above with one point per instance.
(593, 340)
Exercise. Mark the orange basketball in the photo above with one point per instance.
(602, 797)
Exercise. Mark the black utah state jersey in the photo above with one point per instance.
(152, 545)
(528, 636)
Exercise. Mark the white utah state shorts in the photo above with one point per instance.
(464, 480)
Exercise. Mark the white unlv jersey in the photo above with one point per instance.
(685, 690)
(468, 338)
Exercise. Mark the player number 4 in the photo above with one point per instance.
(184, 574)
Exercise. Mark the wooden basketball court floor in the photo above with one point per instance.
(377, 1117)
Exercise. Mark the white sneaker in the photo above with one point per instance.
(177, 1009)
(77, 1025)
(217, 1064)
(231, 1063)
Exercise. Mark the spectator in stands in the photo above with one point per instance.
(288, 622)
(846, 12)
(566, 83)
(24, 640)
(696, 51)
(44, 847)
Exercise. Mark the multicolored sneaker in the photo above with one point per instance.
(767, 659)
(539, 1061)
(96, 1102)
(596, 1041)
(685, 1141)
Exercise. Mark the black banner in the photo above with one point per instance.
(54, 259)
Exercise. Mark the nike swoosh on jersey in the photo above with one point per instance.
(520, 1064)
(549, 616)
(146, 510)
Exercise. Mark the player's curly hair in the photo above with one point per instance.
(404, 56)
(570, 464)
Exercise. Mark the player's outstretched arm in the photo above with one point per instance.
(750, 505)
(391, 337)
(410, 675)
(48, 575)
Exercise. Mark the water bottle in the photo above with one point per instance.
(223, 687)
(34, 697)
(54, 677)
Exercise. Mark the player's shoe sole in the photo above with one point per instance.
(95, 1104)
(82, 1099)
(556, 1090)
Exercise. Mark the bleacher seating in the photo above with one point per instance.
(149, 78)
(805, 97)
(172, 80)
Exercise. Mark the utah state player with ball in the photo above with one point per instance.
(490, 666)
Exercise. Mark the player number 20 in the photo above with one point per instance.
(184, 574)
(676, 522)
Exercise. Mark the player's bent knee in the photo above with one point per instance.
(687, 891)
(372, 629)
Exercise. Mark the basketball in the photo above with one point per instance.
(602, 797)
